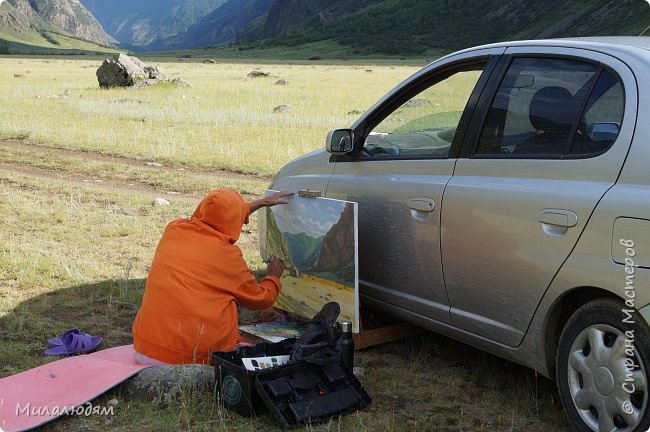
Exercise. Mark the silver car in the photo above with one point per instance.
(504, 201)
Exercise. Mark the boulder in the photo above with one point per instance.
(160, 202)
(258, 74)
(181, 82)
(127, 100)
(282, 108)
(154, 72)
(164, 384)
(413, 103)
(127, 71)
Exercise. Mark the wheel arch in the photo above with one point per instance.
(561, 311)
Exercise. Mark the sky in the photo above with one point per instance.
(311, 216)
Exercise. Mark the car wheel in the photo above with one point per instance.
(602, 369)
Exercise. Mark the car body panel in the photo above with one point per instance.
(494, 242)
(540, 270)
(399, 206)
(408, 273)
(311, 171)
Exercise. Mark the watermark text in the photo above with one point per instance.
(628, 318)
(86, 410)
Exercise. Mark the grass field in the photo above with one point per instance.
(79, 230)
(327, 49)
(225, 120)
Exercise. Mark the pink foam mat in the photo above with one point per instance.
(34, 397)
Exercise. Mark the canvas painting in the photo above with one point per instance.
(274, 331)
(317, 240)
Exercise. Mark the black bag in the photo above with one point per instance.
(321, 342)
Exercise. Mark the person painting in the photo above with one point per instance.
(198, 277)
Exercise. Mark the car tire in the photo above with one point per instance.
(603, 367)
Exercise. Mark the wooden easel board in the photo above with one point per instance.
(378, 328)
(375, 328)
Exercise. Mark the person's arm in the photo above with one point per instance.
(269, 201)
(256, 296)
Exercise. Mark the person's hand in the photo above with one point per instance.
(275, 267)
(270, 200)
(270, 315)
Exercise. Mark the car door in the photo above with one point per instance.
(530, 174)
(409, 144)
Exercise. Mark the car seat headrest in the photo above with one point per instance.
(552, 108)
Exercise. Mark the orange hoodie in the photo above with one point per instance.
(197, 278)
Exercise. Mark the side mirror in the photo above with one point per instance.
(604, 131)
(339, 141)
(524, 81)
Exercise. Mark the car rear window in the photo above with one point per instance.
(552, 108)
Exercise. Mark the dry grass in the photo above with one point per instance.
(225, 120)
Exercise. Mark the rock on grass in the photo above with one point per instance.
(282, 108)
(160, 202)
(164, 384)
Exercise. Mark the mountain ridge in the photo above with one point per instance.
(347, 27)
(42, 17)
(221, 26)
(146, 25)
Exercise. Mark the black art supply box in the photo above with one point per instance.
(235, 382)
(303, 393)
(297, 393)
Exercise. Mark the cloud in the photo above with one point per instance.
(307, 215)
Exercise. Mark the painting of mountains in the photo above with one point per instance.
(316, 239)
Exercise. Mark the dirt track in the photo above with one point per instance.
(110, 185)
(131, 161)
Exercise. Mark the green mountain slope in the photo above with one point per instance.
(285, 15)
(406, 27)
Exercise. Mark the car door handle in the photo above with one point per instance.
(558, 217)
(422, 204)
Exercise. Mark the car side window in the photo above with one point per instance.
(536, 110)
(602, 118)
(425, 125)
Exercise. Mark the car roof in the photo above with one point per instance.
(610, 44)
(627, 41)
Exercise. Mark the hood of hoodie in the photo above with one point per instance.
(225, 211)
